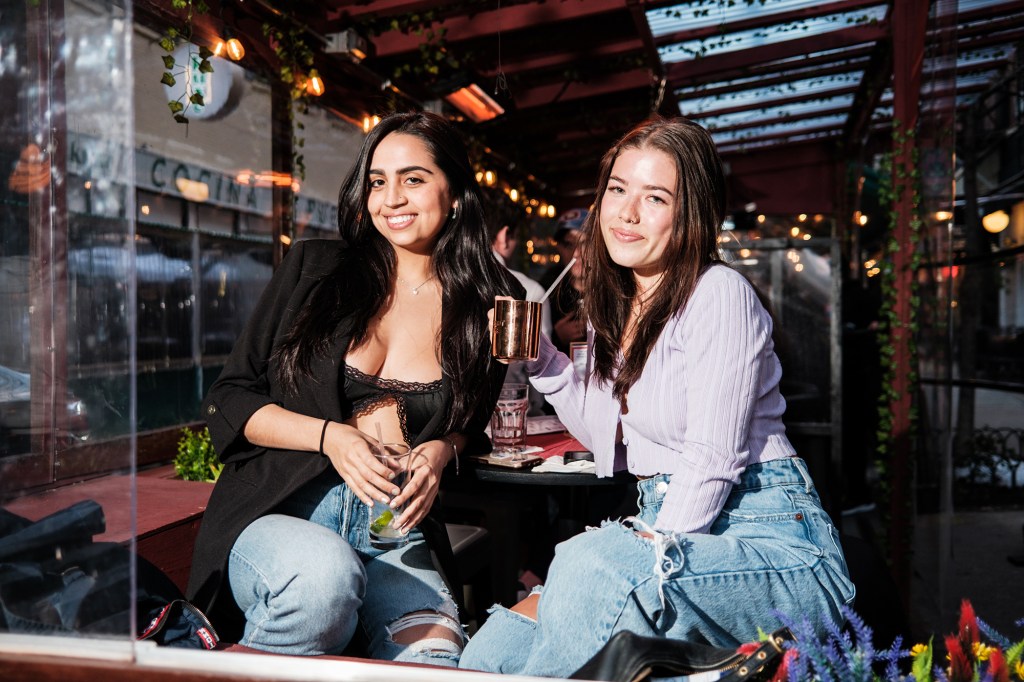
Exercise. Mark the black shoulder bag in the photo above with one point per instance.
(628, 657)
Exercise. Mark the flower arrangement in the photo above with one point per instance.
(975, 653)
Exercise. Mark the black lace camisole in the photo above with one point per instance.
(417, 403)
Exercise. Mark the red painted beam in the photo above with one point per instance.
(378, 8)
(507, 19)
(801, 180)
(908, 56)
(765, 19)
(567, 57)
(706, 67)
(562, 92)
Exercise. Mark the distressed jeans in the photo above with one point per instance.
(306, 577)
(773, 548)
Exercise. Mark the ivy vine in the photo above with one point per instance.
(895, 180)
(172, 69)
(295, 69)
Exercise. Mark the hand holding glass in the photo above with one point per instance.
(396, 457)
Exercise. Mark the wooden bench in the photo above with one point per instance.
(166, 521)
(170, 511)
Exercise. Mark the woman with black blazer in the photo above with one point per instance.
(386, 328)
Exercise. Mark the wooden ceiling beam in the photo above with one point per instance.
(337, 9)
(566, 57)
(544, 95)
(765, 19)
(489, 23)
(712, 66)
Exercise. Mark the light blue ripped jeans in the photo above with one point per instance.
(306, 577)
(772, 548)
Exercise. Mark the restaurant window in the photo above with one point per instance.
(67, 302)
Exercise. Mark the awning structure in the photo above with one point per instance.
(787, 87)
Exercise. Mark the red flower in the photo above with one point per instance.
(960, 669)
(968, 633)
(782, 672)
(748, 648)
(997, 667)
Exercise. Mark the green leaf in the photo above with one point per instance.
(175, 106)
(922, 666)
(180, 119)
(167, 79)
(168, 62)
(205, 66)
(197, 99)
(205, 52)
(167, 44)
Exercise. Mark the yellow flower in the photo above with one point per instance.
(918, 649)
(1019, 669)
(982, 651)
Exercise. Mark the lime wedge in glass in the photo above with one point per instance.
(381, 522)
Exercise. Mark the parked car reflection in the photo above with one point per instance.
(16, 426)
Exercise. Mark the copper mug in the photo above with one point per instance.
(516, 333)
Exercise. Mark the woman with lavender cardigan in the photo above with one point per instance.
(682, 390)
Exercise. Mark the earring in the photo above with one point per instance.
(455, 211)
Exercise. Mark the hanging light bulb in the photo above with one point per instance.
(996, 222)
(315, 84)
(234, 49)
(513, 194)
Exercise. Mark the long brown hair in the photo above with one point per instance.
(611, 288)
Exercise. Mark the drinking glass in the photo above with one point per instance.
(508, 423)
(396, 457)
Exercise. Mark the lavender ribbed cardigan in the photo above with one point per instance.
(706, 405)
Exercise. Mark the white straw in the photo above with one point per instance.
(380, 441)
(557, 280)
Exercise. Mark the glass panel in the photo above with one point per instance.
(794, 275)
(66, 306)
(765, 35)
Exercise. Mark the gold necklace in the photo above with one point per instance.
(414, 289)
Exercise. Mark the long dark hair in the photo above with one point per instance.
(462, 261)
(610, 288)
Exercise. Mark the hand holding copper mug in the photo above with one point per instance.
(515, 332)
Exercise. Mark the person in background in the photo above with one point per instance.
(568, 323)
(684, 394)
(381, 332)
(501, 221)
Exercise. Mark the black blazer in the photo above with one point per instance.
(257, 479)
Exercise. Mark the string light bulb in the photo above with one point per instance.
(996, 222)
(315, 84)
(234, 49)
(231, 48)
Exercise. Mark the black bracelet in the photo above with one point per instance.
(322, 434)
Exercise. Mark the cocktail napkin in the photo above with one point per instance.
(556, 464)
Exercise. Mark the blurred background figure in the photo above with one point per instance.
(565, 300)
